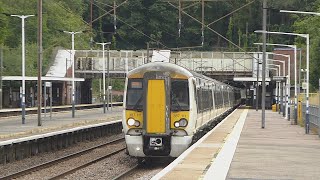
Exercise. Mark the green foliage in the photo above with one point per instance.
(13, 61)
(114, 43)
(310, 25)
(97, 86)
(230, 33)
(142, 21)
(117, 84)
(58, 15)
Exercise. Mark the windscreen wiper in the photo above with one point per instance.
(176, 102)
(135, 107)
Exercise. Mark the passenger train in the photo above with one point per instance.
(165, 105)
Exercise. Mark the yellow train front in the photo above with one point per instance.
(165, 105)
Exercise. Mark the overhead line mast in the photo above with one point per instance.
(202, 29)
(115, 16)
(179, 25)
(202, 14)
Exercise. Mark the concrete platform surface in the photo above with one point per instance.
(280, 151)
(12, 127)
(195, 161)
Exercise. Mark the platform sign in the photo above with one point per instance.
(279, 78)
(304, 85)
(48, 84)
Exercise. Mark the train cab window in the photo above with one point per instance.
(134, 94)
(179, 95)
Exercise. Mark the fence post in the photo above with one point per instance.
(319, 110)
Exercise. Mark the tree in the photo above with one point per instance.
(310, 25)
(230, 33)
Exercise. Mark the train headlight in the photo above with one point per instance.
(133, 122)
(176, 124)
(181, 123)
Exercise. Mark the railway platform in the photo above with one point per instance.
(19, 141)
(238, 148)
(11, 127)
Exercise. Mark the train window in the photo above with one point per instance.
(136, 85)
(200, 101)
(179, 95)
(134, 94)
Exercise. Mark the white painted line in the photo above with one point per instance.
(220, 167)
(12, 141)
(187, 152)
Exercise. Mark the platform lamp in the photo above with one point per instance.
(72, 59)
(287, 81)
(278, 86)
(295, 77)
(23, 98)
(306, 36)
(278, 73)
(104, 74)
(307, 122)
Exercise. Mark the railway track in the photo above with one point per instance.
(146, 169)
(33, 110)
(126, 173)
(52, 163)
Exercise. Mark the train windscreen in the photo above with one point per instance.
(179, 95)
(134, 94)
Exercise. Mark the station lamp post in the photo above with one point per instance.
(104, 75)
(284, 105)
(72, 59)
(278, 86)
(306, 36)
(295, 78)
(300, 12)
(284, 74)
(23, 98)
(278, 73)
(307, 122)
(287, 82)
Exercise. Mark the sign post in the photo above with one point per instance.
(110, 94)
(49, 84)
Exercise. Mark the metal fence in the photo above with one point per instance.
(314, 116)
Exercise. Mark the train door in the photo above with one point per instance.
(156, 106)
(156, 103)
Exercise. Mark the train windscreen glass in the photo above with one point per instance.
(134, 94)
(179, 95)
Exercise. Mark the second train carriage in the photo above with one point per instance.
(165, 105)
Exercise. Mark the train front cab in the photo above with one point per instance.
(157, 114)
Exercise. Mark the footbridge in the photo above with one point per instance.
(218, 65)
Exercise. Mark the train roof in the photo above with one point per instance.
(160, 66)
(171, 68)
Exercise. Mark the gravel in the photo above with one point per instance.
(148, 170)
(106, 169)
(75, 162)
(6, 169)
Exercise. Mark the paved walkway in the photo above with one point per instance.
(280, 151)
(12, 127)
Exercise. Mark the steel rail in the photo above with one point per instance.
(124, 174)
(55, 161)
(86, 164)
